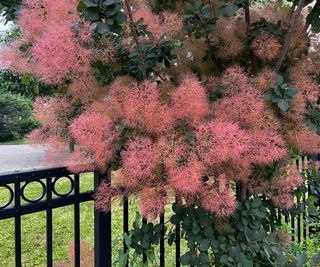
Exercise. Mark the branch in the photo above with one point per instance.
(247, 14)
(286, 46)
(136, 38)
(205, 30)
(206, 33)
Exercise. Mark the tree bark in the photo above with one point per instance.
(286, 46)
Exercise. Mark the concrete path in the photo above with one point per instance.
(20, 157)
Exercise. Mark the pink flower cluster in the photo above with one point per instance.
(56, 54)
(266, 47)
(50, 48)
(152, 202)
(288, 180)
(219, 141)
(97, 135)
(166, 24)
(220, 199)
(190, 101)
(38, 15)
(142, 108)
(139, 162)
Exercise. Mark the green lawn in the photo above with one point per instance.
(34, 229)
(14, 142)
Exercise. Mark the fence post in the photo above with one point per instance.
(102, 232)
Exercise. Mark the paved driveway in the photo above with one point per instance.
(20, 157)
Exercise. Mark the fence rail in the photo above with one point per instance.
(19, 204)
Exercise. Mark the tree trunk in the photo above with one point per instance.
(286, 46)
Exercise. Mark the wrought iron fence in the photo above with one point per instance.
(19, 204)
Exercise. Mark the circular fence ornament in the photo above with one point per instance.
(11, 196)
(55, 185)
(39, 198)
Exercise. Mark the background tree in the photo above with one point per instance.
(15, 116)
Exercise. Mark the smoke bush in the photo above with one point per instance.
(176, 113)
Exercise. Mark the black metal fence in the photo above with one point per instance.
(19, 204)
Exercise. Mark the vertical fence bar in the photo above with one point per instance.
(76, 221)
(299, 224)
(17, 225)
(292, 227)
(102, 233)
(279, 217)
(162, 259)
(144, 255)
(49, 222)
(178, 248)
(125, 224)
(304, 220)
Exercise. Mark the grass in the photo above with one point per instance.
(14, 142)
(34, 229)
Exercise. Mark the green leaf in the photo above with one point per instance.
(189, 6)
(205, 221)
(283, 104)
(204, 244)
(92, 13)
(158, 228)
(150, 254)
(175, 219)
(267, 96)
(110, 2)
(91, 3)
(198, 34)
(279, 79)
(102, 28)
(127, 239)
(292, 91)
(185, 259)
(277, 90)
(224, 259)
(187, 16)
(123, 258)
(195, 228)
(197, 4)
(206, 11)
(81, 7)
(208, 231)
(228, 10)
(204, 258)
(256, 203)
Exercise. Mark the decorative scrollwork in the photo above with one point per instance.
(43, 193)
(10, 198)
(54, 190)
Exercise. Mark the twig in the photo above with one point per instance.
(136, 38)
(158, 74)
(206, 33)
(211, 8)
(286, 46)
(205, 30)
